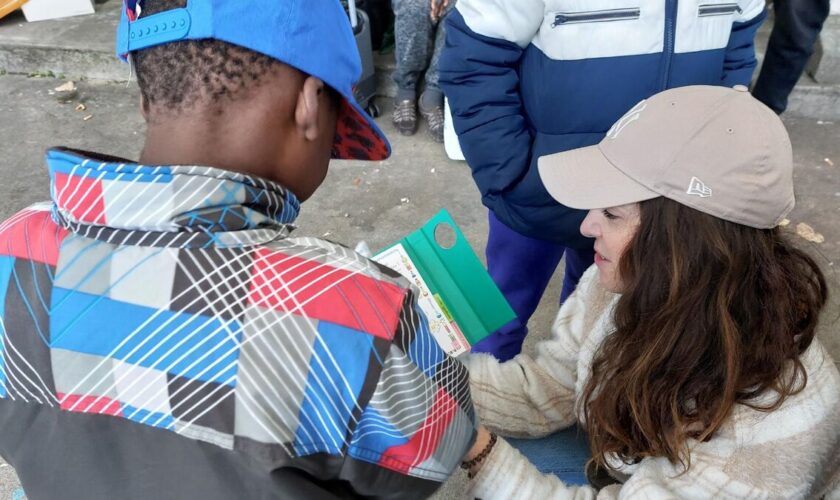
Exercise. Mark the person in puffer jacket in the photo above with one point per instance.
(528, 78)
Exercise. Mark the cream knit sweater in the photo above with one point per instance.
(793, 452)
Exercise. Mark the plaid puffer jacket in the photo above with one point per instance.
(163, 336)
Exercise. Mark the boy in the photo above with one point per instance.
(163, 336)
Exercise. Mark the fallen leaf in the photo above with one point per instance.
(67, 87)
(830, 163)
(357, 181)
(784, 223)
(807, 232)
(81, 107)
(88, 117)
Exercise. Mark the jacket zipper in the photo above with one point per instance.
(668, 49)
(720, 9)
(595, 16)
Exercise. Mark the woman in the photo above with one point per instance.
(688, 353)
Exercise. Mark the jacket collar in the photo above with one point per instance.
(97, 190)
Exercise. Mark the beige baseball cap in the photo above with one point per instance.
(715, 149)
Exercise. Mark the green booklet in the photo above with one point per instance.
(459, 298)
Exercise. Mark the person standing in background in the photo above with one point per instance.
(795, 30)
(527, 78)
(420, 38)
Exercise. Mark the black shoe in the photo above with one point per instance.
(405, 117)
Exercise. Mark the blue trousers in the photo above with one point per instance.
(522, 268)
(563, 454)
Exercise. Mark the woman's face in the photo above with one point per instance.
(612, 228)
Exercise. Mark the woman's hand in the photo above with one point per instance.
(438, 8)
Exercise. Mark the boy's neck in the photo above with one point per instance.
(193, 143)
(253, 136)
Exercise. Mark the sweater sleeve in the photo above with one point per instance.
(779, 458)
(535, 396)
(508, 474)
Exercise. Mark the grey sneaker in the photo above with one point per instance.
(434, 121)
(405, 117)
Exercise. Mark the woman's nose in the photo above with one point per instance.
(589, 226)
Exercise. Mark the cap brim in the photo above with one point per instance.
(357, 137)
(585, 179)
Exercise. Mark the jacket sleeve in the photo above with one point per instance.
(479, 75)
(419, 423)
(739, 61)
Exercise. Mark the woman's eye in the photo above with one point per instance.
(609, 215)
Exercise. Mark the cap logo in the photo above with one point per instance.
(631, 116)
(697, 188)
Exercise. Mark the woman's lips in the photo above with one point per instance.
(599, 259)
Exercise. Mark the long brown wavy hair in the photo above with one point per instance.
(713, 314)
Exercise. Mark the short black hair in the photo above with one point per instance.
(176, 75)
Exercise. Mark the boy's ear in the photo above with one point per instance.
(307, 110)
(144, 107)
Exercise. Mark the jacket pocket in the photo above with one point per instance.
(595, 16)
(717, 9)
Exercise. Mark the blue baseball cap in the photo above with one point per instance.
(313, 36)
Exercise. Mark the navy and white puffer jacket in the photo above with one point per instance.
(526, 78)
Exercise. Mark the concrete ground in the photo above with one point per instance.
(84, 46)
(377, 202)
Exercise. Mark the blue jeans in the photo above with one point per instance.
(563, 454)
(522, 267)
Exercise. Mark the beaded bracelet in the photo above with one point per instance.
(469, 465)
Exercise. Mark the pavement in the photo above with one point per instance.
(374, 202)
(83, 47)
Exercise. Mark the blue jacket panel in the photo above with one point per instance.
(526, 78)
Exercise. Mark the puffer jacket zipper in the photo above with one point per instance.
(595, 16)
(668, 47)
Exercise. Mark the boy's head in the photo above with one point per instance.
(260, 86)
